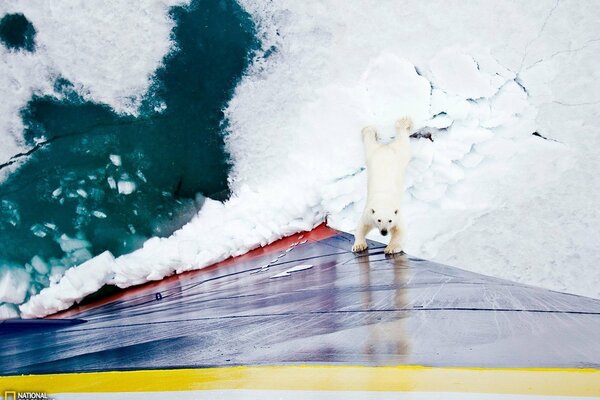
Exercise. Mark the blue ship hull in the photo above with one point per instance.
(370, 324)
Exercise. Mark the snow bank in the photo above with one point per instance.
(486, 194)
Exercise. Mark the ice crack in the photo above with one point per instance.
(539, 34)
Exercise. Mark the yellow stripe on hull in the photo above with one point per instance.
(523, 381)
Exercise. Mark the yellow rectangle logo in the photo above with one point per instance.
(10, 395)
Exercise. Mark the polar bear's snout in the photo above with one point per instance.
(383, 220)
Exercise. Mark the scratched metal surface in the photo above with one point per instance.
(368, 309)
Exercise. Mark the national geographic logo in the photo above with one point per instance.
(13, 395)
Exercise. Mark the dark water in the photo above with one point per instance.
(16, 32)
(173, 157)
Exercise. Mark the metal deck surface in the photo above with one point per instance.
(348, 309)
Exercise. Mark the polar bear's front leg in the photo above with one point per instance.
(396, 242)
(369, 137)
(403, 126)
(360, 242)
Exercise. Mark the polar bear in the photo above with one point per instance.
(386, 164)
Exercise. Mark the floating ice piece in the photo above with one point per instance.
(57, 192)
(141, 175)
(14, 283)
(9, 212)
(111, 182)
(38, 230)
(126, 187)
(8, 311)
(69, 245)
(39, 265)
(162, 106)
(98, 214)
(288, 272)
(82, 193)
(115, 159)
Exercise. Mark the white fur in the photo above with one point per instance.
(386, 164)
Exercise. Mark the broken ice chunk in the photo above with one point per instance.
(56, 273)
(8, 310)
(98, 214)
(458, 73)
(39, 265)
(111, 182)
(14, 282)
(9, 213)
(126, 187)
(81, 210)
(38, 230)
(141, 175)
(69, 245)
(115, 159)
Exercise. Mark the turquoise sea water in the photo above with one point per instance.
(75, 184)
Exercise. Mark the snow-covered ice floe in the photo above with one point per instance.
(488, 81)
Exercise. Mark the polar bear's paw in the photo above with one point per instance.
(369, 134)
(359, 246)
(404, 124)
(393, 249)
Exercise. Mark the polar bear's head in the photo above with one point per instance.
(384, 218)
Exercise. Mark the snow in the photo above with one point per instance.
(485, 195)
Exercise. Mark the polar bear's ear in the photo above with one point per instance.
(372, 211)
(396, 212)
